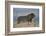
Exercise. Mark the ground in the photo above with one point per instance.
(24, 24)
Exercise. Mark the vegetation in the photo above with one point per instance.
(28, 18)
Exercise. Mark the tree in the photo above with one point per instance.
(30, 17)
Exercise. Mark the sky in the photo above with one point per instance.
(25, 11)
